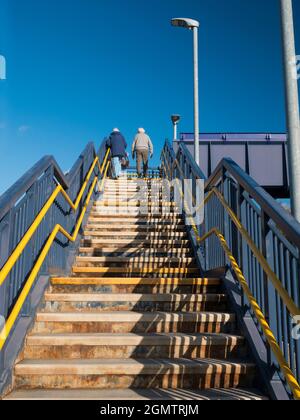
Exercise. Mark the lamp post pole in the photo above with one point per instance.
(196, 95)
(175, 131)
(292, 103)
(193, 25)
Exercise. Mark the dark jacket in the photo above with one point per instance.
(117, 144)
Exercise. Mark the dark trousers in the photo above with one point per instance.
(142, 157)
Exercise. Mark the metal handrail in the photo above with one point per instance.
(284, 366)
(274, 210)
(8, 266)
(284, 221)
(294, 310)
(13, 194)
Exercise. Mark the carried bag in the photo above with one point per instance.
(125, 162)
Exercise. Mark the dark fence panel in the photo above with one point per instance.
(263, 156)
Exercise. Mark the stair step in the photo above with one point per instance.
(126, 182)
(112, 193)
(135, 221)
(133, 212)
(137, 242)
(120, 181)
(138, 394)
(130, 270)
(137, 235)
(136, 281)
(133, 297)
(147, 190)
(133, 182)
(96, 302)
(128, 251)
(139, 346)
(134, 285)
(137, 260)
(145, 187)
(125, 186)
(117, 227)
(129, 316)
(137, 194)
(123, 366)
(142, 218)
(136, 203)
(134, 340)
(124, 373)
(131, 195)
(142, 185)
(135, 322)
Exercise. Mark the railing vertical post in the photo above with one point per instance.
(173, 170)
(1, 364)
(271, 310)
(226, 195)
(206, 228)
(269, 294)
(168, 164)
(239, 203)
(32, 211)
(234, 233)
(5, 232)
(264, 233)
(223, 181)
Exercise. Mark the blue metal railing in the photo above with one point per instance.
(272, 229)
(19, 207)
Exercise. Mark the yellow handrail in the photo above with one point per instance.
(275, 347)
(57, 229)
(284, 366)
(8, 266)
(290, 304)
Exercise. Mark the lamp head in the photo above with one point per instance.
(185, 23)
(175, 119)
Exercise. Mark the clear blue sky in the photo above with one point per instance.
(78, 68)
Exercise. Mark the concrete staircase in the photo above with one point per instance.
(135, 320)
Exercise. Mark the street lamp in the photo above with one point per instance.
(292, 103)
(175, 120)
(193, 25)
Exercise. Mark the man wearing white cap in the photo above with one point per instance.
(141, 147)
